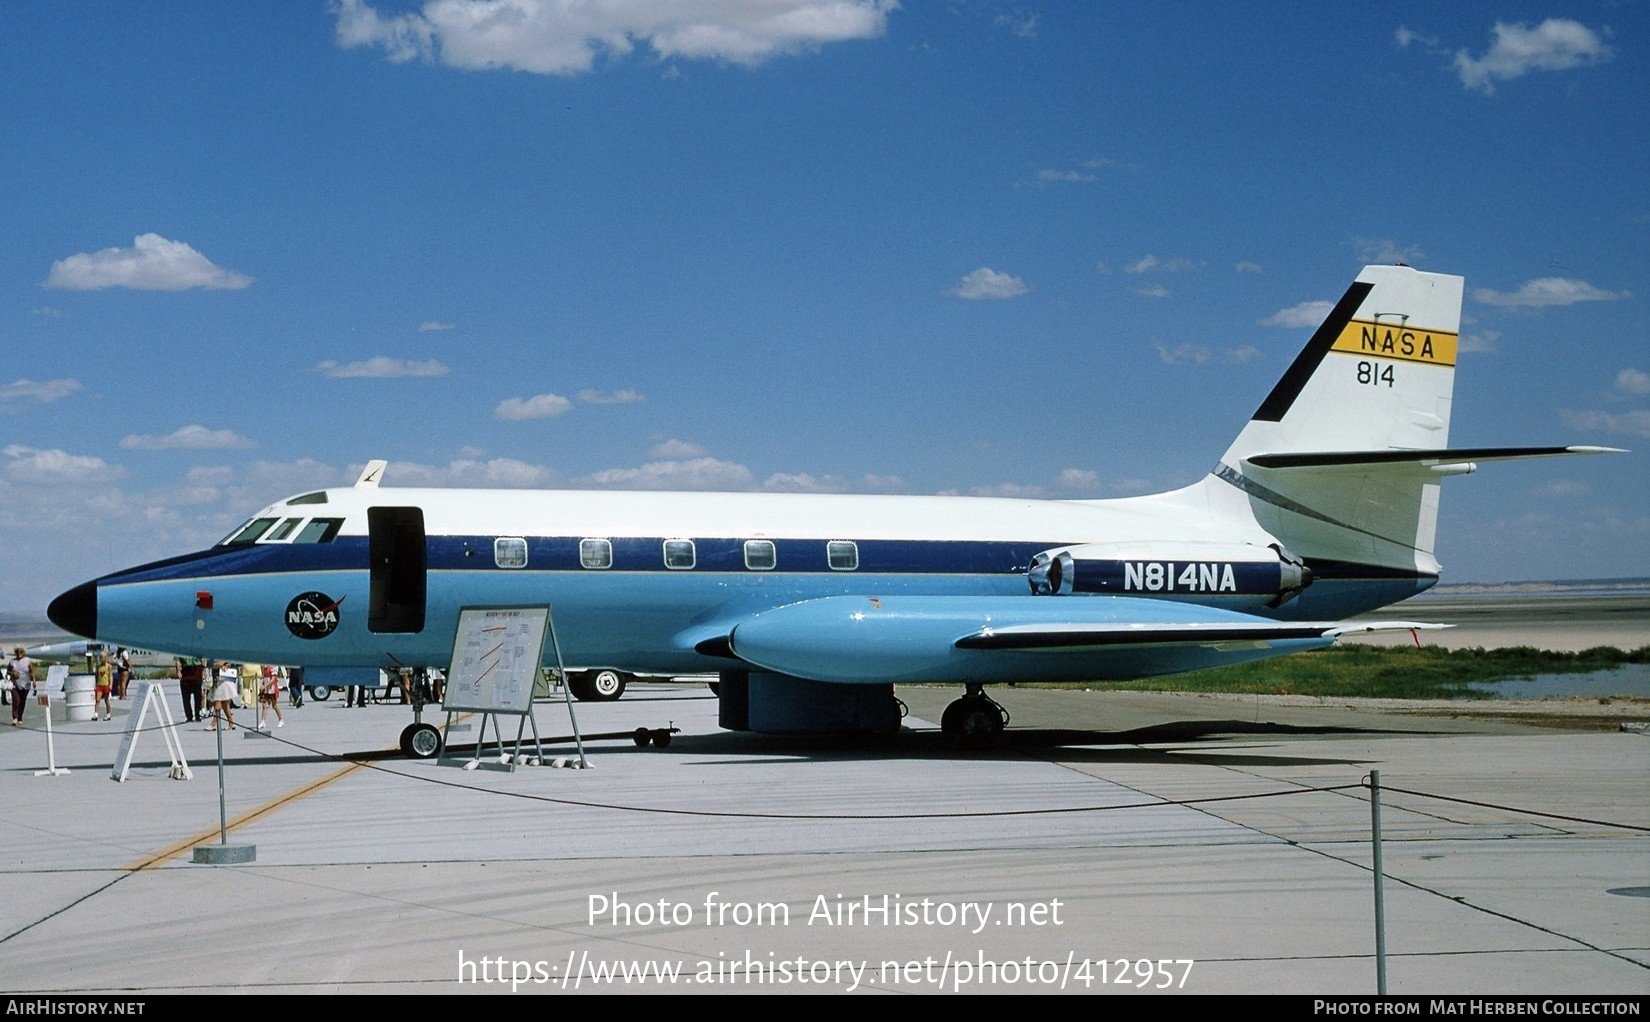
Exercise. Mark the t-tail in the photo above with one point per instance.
(1342, 461)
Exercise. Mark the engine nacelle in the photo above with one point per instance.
(1233, 575)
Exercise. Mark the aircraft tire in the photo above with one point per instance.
(973, 719)
(421, 741)
(605, 685)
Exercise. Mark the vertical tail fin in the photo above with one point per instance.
(1376, 378)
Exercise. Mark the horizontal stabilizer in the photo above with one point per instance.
(1358, 627)
(1423, 458)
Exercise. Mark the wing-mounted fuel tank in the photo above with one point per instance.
(1237, 576)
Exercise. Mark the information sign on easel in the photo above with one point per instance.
(496, 656)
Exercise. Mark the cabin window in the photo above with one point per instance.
(759, 555)
(319, 530)
(679, 554)
(283, 530)
(595, 553)
(842, 554)
(249, 532)
(510, 552)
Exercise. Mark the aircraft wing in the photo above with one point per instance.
(871, 639)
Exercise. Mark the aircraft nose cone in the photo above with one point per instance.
(76, 610)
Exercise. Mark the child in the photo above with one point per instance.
(269, 696)
(105, 681)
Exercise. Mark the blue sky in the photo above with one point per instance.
(1055, 250)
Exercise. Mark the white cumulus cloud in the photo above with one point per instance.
(541, 406)
(1629, 423)
(381, 367)
(988, 283)
(689, 474)
(44, 392)
(673, 449)
(1385, 250)
(610, 397)
(1556, 44)
(1149, 263)
(1304, 314)
(558, 37)
(507, 473)
(1479, 341)
(807, 482)
(1198, 354)
(152, 264)
(1633, 382)
(192, 438)
(35, 465)
(1545, 291)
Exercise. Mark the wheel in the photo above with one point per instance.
(642, 737)
(421, 741)
(661, 737)
(606, 685)
(602, 686)
(319, 693)
(980, 721)
(715, 687)
(973, 719)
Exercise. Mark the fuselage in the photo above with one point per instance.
(649, 581)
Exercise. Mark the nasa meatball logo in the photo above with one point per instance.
(312, 615)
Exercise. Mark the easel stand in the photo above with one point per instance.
(147, 701)
(497, 652)
(498, 736)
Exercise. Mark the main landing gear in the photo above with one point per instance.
(975, 717)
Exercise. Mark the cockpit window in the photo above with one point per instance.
(318, 497)
(319, 530)
(283, 530)
(249, 532)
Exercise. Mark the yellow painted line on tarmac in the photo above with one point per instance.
(178, 848)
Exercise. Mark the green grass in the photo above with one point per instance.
(1390, 672)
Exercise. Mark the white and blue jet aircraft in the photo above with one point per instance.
(811, 607)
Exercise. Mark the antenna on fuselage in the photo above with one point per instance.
(371, 474)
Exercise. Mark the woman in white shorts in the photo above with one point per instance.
(222, 699)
